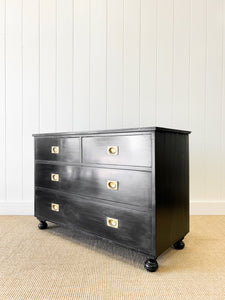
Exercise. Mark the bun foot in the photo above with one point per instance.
(151, 265)
(42, 225)
(179, 245)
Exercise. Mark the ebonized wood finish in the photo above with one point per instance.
(130, 186)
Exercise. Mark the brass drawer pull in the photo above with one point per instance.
(112, 185)
(112, 222)
(54, 207)
(55, 149)
(54, 177)
(113, 150)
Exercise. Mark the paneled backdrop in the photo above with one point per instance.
(95, 64)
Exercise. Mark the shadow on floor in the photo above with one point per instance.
(103, 246)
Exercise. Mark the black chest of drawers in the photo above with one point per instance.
(130, 186)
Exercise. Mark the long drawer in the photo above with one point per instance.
(125, 226)
(134, 150)
(58, 149)
(124, 186)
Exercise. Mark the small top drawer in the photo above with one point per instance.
(133, 150)
(58, 149)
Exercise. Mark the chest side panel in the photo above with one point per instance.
(172, 188)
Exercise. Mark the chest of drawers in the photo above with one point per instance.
(130, 186)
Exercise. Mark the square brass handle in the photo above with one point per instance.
(54, 207)
(54, 177)
(112, 222)
(112, 185)
(113, 150)
(55, 149)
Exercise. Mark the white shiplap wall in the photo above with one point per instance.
(95, 64)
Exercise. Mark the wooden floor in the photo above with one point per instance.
(59, 264)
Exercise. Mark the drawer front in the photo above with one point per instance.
(134, 150)
(58, 149)
(133, 228)
(124, 186)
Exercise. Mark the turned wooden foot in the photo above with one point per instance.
(42, 225)
(151, 265)
(179, 244)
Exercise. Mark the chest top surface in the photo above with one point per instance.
(112, 131)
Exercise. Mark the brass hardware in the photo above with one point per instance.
(54, 207)
(112, 222)
(113, 150)
(54, 177)
(112, 185)
(55, 149)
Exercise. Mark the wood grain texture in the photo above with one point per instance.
(90, 215)
(172, 188)
(154, 201)
(69, 149)
(138, 130)
(89, 181)
(128, 147)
